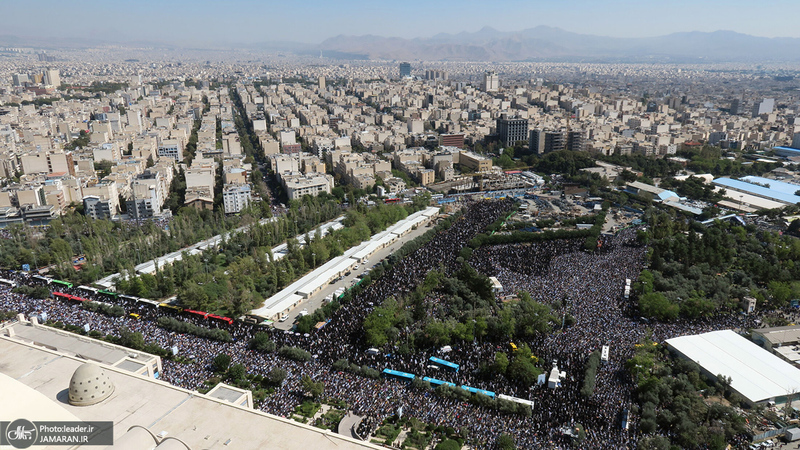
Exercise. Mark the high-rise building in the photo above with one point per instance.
(235, 197)
(435, 75)
(321, 83)
(765, 107)
(491, 82)
(97, 208)
(547, 141)
(576, 141)
(405, 69)
(735, 106)
(52, 77)
(170, 148)
(511, 131)
(20, 78)
(796, 140)
(147, 196)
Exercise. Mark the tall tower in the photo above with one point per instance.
(405, 69)
(52, 77)
(491, 82)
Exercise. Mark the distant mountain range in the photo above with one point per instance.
(541, 43)
(548, 43)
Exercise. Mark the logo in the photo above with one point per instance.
(21, 433)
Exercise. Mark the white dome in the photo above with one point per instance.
(89, 385)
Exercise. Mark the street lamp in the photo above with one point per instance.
(314, 256)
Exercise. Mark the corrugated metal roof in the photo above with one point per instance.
(760, 191)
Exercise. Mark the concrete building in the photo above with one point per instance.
(147, 196)
(782, 341)
(451, 140)
(491, 82)
(97, 208)
(766, 106)
(542, 141)
(41, 371)
(105, 191)
(170, 148)
(435, 75)
(474, 161)
(300, 185)
(405, 70)
(235, 197)
(510, 131)
(52, 77)
(576, 140)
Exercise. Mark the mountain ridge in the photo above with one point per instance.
(540, 43)
(543, 42)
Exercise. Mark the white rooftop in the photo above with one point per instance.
(755, 373)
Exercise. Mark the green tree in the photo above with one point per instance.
(221, 362)
(311, 387)
(237, 372)
(506, 442)
(262, 343)
(276, 376)
(521, 369)
(656, 305)
(379, 321)
(130, 339)
(448, 444)
(500, 362)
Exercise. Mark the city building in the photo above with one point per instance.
(451, 140)
(235, 198)
(52, 77)
(546, 141)
(170, 148)
(512, 130)
(766, 106)
(474, 161)
(405, 70)
(435, 75)
(491, 82)
(97, 208)
(576, 141)
(147, 196)
(43, 372)
(299, 185)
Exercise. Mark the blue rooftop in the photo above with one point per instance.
(780, 186)
(776, 191)
(787, 151)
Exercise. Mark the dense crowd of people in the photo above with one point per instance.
(586, 285)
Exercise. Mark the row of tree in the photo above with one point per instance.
(243, 271)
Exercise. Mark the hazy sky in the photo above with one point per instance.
(312, 21)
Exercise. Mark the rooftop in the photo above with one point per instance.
(775, 191)
(755, 373)
(37, 380)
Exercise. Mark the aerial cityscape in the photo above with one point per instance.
(357, 230)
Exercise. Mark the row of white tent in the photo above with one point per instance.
(288, 298)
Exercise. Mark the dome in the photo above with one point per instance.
(89, 385)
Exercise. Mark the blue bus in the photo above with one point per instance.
(389, 373)
(444, 364)
(435, 382)
(478, 391)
